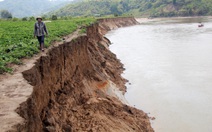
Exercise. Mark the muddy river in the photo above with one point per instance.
(169, 67)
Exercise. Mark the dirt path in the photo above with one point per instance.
(14, 89)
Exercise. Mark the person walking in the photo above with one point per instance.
(39, 32)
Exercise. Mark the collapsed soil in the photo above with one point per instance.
(72, 87)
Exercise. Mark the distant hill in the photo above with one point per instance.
(95, 7)
(154, 8)
(24, 8)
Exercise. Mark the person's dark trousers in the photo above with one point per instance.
(41, 42)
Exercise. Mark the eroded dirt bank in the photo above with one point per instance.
(77, 86)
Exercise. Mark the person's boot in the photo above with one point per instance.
(42, 47)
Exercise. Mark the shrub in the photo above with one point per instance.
(116, 14)
(31, 18)
(24, 19)
(15, 19)
(54, 17)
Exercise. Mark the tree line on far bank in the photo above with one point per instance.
(154, 8)
(166, 8)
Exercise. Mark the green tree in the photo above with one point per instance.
(174, 2)
(6, 14)
(24, 19)
(31, 18)
(54, 17)
(114, 9)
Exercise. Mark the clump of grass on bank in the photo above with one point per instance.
(16, 38)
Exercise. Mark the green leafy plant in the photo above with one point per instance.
(16, 38)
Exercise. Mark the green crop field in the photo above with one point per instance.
(16, 38)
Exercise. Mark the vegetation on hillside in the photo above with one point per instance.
(25, 8)
(169, 8)
(16, 38)
(154, 8)
(5, 14)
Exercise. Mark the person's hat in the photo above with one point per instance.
(39, 17)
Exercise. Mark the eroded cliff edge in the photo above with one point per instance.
(77, 87)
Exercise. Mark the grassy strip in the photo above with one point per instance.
(16, 38)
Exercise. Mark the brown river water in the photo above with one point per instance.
(169, 67)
